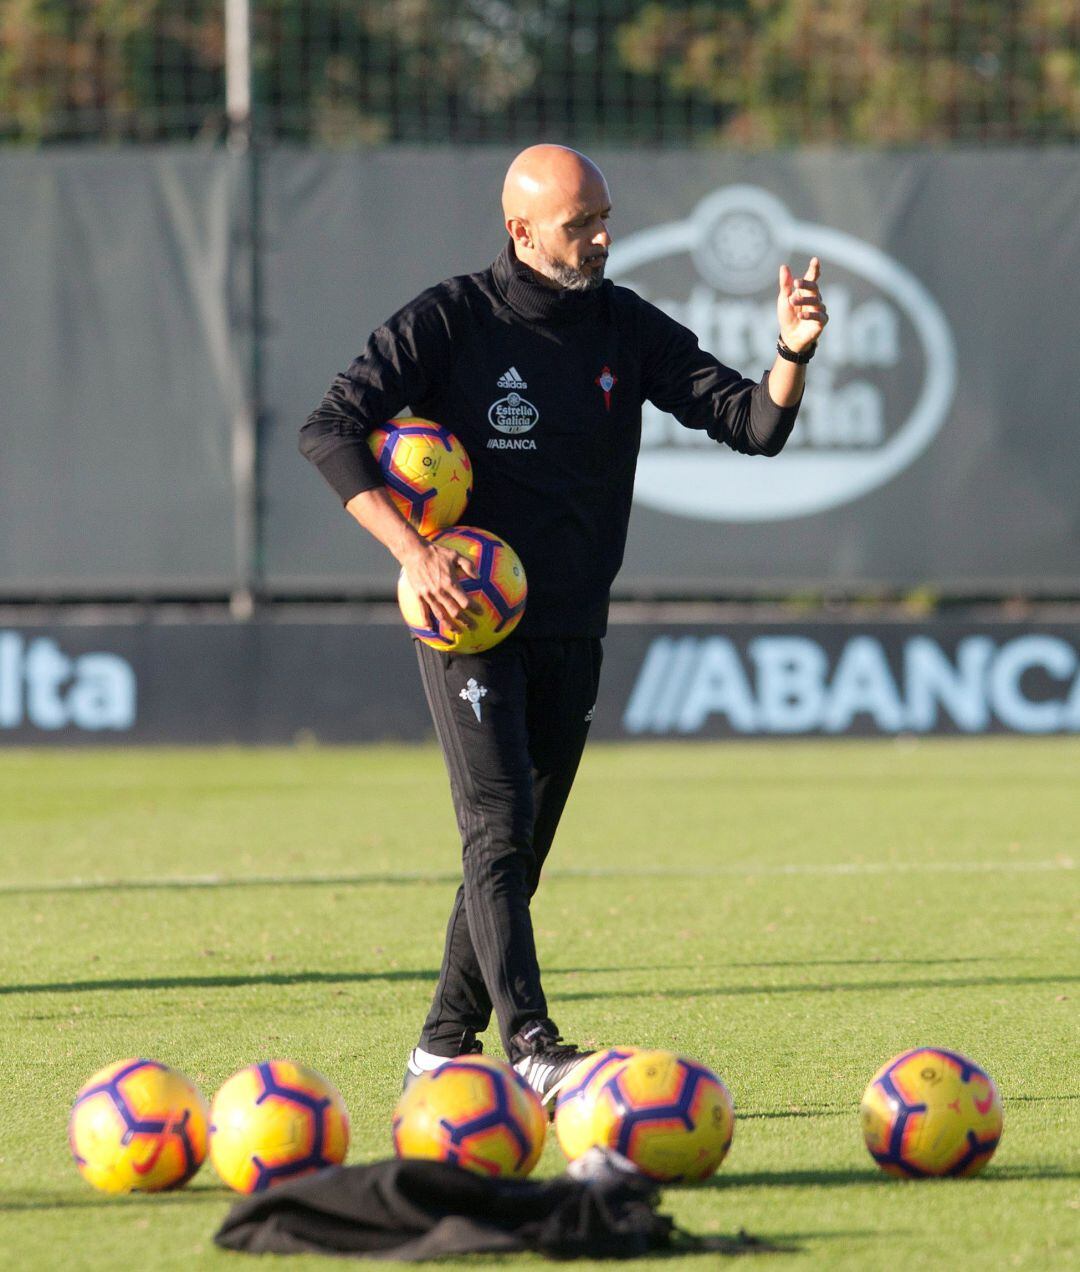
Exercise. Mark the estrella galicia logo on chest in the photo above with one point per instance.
(513, 414)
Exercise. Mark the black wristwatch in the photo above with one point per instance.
(789, 355)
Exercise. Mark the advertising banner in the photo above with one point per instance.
(296, 682)
(935, 444)
(934, 449)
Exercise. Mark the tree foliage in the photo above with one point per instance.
(733, 72)
(879, 72)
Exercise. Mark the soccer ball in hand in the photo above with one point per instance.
(138, 1126)
(931, 1112)
(672, 1117)
(274, 1121)
(426, 471)
(576, 1101)
(496, 596)
(474, 1112)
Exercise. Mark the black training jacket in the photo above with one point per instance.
(544, 389)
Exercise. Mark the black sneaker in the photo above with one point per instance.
(470, 1046)
(539, 1054)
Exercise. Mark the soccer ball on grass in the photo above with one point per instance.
(138, 1126)
(931, 1112)
(576, 1100)
(274, 1121)
(671, 1116)
(474, 1112)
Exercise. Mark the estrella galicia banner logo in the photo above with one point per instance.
(879, 389)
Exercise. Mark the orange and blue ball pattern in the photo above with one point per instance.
(273, 1121)
(671, 1116)
(426, 470)
(138, 1126)
(474, 1112)
(496, 596)
(931, 1112)
(575, 1103)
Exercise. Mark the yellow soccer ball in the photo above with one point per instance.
(426, 470)
(575, 1103)
(275, 1121)
(671, 1116)
(138, 1126)
(496, 596)
(474, 1112)
(931, 1112)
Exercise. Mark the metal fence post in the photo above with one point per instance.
(245, 427)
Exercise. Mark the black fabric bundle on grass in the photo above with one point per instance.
(411, 1210)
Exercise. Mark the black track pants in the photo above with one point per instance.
(512, 725)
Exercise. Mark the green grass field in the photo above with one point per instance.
(792, 915)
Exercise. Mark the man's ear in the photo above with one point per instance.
(519, 231)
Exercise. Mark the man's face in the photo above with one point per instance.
(572, 240)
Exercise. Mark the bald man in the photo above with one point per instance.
(540, 367)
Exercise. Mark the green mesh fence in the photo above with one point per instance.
(753, 73)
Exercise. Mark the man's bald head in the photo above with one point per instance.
(542, 176)
(556, 205)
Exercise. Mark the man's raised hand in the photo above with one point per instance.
(800, 311)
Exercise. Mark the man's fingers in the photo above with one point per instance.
(465, 565)
(450, 601)
(444, 601)
(431, 620)
(786, 280)
(813, 270)
(438, 576)
(447, 612)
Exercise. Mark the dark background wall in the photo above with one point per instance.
(125, 351)
(118, 357)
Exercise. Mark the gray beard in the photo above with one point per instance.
(569, 278)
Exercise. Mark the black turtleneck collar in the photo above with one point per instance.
(534, 300)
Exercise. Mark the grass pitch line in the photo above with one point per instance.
(749, 869)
